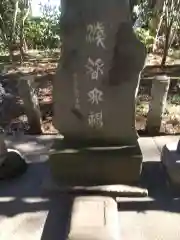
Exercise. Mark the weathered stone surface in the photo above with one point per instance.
(170, 158)
(101, 58)
(84, 165)
(94, 95)
(94, 218)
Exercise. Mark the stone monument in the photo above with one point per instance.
(94, 95)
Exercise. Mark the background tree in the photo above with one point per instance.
(25, 7)
(8, 21)
(170, 18)
(13, 14)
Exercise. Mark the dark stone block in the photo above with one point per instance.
(170, 158)
(13, 166)
(95, 165)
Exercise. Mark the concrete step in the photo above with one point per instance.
(94, 218)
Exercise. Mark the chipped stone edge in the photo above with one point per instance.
(48, 185)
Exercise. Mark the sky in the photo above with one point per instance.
(36, 8)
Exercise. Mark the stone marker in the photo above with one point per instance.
(159, 92)
(94, 95)
(94, 218)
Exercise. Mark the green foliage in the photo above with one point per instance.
(6, 18)
(2, 47)
(146, 37)
(142, 13)
(43, 32)
(41, 35)
(175, 99)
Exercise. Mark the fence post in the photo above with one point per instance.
(159, 92)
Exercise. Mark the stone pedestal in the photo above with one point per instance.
(84, 165)
(94, 94)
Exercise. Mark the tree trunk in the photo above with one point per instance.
(21, 46)
(25, 46)
(159, 5)
(11, 55)
(166, 46)
(158, 8)
(7, 43)
(22, 40)
(12, 38)
(9, 35)
(15, 20)
(157, 33)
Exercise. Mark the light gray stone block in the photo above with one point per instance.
(94, 218)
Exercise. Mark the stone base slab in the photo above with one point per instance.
(102, 165)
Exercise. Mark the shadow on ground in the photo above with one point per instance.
(26, 195)
(58, 220)
(16, 195)
(160, 197)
